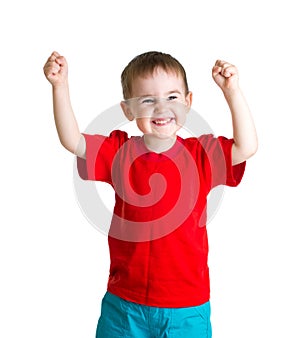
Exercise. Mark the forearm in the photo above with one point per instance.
(65, 121)
(244, 132)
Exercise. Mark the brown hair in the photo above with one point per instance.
(145, 64)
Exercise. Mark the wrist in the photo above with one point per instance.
(230, 92)
(60, 85)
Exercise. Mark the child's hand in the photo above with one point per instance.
(225, 75)
(56, 69)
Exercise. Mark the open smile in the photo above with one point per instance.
(162, 121)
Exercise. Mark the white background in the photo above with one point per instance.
(54, 264)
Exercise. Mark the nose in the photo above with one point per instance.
(161, 106)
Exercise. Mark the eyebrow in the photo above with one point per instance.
(176, 91)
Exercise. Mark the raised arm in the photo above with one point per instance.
(56, 72)
(244, 132)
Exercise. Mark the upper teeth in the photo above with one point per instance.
(162, 121)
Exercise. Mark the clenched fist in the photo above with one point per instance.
(225, 75)
(56, 69)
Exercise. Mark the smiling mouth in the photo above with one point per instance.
(162, 122)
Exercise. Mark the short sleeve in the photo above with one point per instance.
(100, 153)
(218, 154)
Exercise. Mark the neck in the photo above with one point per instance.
(159, 144)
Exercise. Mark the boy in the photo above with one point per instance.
(159, 280)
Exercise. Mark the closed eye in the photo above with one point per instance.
(148, 100)
(172, 97)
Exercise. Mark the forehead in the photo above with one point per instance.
(158, 83)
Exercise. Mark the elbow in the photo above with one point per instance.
(68, 146)
(251, 150)
(250, 154)
(76, 146)
(241, 154)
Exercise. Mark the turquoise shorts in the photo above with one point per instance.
(122, 319)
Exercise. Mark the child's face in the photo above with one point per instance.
(159, 103)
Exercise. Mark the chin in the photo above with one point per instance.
(164, 136)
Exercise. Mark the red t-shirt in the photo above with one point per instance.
(158, 239)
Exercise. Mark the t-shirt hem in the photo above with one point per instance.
(155, 302)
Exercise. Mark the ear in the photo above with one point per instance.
(127, 111)
(189, 99)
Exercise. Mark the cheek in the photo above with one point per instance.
(181, 120)
(142, 123)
